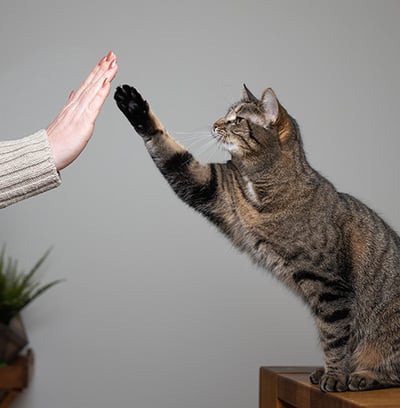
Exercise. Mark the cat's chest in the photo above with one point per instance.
(279, 243)
(250, 191)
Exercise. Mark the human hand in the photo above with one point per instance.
(73, 127)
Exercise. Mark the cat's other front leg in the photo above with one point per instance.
(335, 338)
(137, 111)
(330, 301)
(315, 376)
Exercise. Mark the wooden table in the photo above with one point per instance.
(289, 387)
(14, 378)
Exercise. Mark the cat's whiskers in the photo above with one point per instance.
(206, 146)
(202, 143)
(224, 150)
(214, 146)
(194, 134)
(212, 153)
(194, 137)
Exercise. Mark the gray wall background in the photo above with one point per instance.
(158, 309)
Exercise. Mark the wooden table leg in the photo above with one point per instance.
(15, 377)
(269, 390)
(9, 398)
(269, 385)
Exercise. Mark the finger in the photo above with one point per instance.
(89, 78)
(71, 96)
(91, 90)
(106, 64)
(96, 72)
(112, 70)
(100, 97)
(98, 101)
(95, 95)
(109, 56)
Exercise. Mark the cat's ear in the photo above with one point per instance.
(276, 114)
(271, 105)
(247, 96)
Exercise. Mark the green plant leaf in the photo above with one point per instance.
(35, 294)
(18, 289)
(38, 264)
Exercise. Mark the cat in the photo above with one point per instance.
(333, 251)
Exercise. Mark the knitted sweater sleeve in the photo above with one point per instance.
(27, 168)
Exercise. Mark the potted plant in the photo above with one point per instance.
(17, 290)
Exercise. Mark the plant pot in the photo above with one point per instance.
(13, 339)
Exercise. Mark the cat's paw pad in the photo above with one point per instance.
(134, 107)
(363, 381)
(333, 383)
(315, 376)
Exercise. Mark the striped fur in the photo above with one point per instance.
(329, 248)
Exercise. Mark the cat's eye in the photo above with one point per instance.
(235, 121)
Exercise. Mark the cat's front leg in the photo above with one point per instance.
(334, 330)
(332, 378)
(315, 376)
(195, 183)
(137, 111)
(330, 300)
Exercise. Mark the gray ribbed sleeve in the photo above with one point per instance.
(27, 168)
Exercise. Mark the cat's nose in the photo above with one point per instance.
(217, 125)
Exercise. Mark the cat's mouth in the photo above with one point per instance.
(224, 141)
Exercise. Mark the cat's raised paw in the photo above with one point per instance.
(135, 108)
(333, 383)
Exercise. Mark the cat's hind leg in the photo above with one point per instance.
(365, 380)
(374, 367)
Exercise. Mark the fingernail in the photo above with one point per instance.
(112, 65)
(109, 55)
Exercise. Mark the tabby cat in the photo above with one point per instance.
(338, 255)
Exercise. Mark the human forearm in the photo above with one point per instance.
(27, 168)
